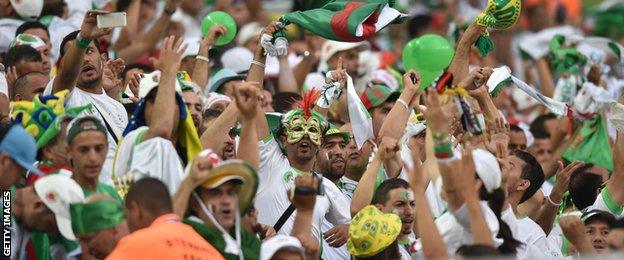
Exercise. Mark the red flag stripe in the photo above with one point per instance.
(340, 23)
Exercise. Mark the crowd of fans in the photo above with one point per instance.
(153, 141)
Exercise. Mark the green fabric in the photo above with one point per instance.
(104, 189)
(96, 216)
(41, 245)
(614, 208)
(565, 59)
(322, 21)
(249, 242)
(610, 23)
(592, 144)
(485, 45)
(77, 127)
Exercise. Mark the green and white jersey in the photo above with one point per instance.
(277, 177)
(605, 202)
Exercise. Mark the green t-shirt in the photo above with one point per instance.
(105, 189)
(250, 243)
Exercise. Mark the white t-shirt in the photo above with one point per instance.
(105, 104)
(277, 177)
(8, 26)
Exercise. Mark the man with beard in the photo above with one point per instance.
(290, 153)
(330, 162)
(80, 71)
(43, 207)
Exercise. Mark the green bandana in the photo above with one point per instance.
(27, 39)
(95, 216)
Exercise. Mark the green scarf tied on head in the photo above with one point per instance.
(95, 216)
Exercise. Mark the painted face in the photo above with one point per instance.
(298, 127)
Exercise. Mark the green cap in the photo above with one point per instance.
(95, 216)
(376, 94)
(75, 127)
(334, 131)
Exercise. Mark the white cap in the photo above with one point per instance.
(150, 81)
(57, 192)
(272, 245)
(237, 59)
(192, 47)
(247, 32)
(487, 168)
(214, 97)
(332, 47)
(28, 9)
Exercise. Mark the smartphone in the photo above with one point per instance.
(111, 20)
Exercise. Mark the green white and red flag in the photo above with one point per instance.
(347, 21)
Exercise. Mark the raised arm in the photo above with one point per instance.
(256, 74)
(286, 81)
(198, 173)
(247, 102)
(574, 231)
(304, 199)
(615, 185)
(547, 84)
(71, 64)
(201, 71)
(162, 115)
(480, 92)
(212, 137)
(396, 120)
(151, 38)
(363, 194)
(425, 228)
(130, 31)
(459, 64)
(548, 211)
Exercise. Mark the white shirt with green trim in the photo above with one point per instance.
(277, 177)
(605, 202)
(156, 158)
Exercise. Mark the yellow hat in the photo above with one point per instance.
(240, 171)
(371, 231)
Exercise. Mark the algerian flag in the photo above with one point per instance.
(361, 121)
(347, 21)
(592, 145)
(27, 39)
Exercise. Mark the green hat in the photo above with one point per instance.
(377, 93)
(95, 216)
(27, 39)
(42, 116)
(346, 136)
(75, 127)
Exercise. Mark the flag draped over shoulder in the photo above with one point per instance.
(347, 21)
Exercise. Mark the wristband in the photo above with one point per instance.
(440, 136)
(82, 43)
(443, 150)
(257, 63)
(204, 58)
(400, 101)
(552, 202)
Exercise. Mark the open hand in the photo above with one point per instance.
(170, 55)
(246, 96)
(499, 137)
(563, 180)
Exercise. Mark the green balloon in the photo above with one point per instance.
(219, 18)
(429, 55)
